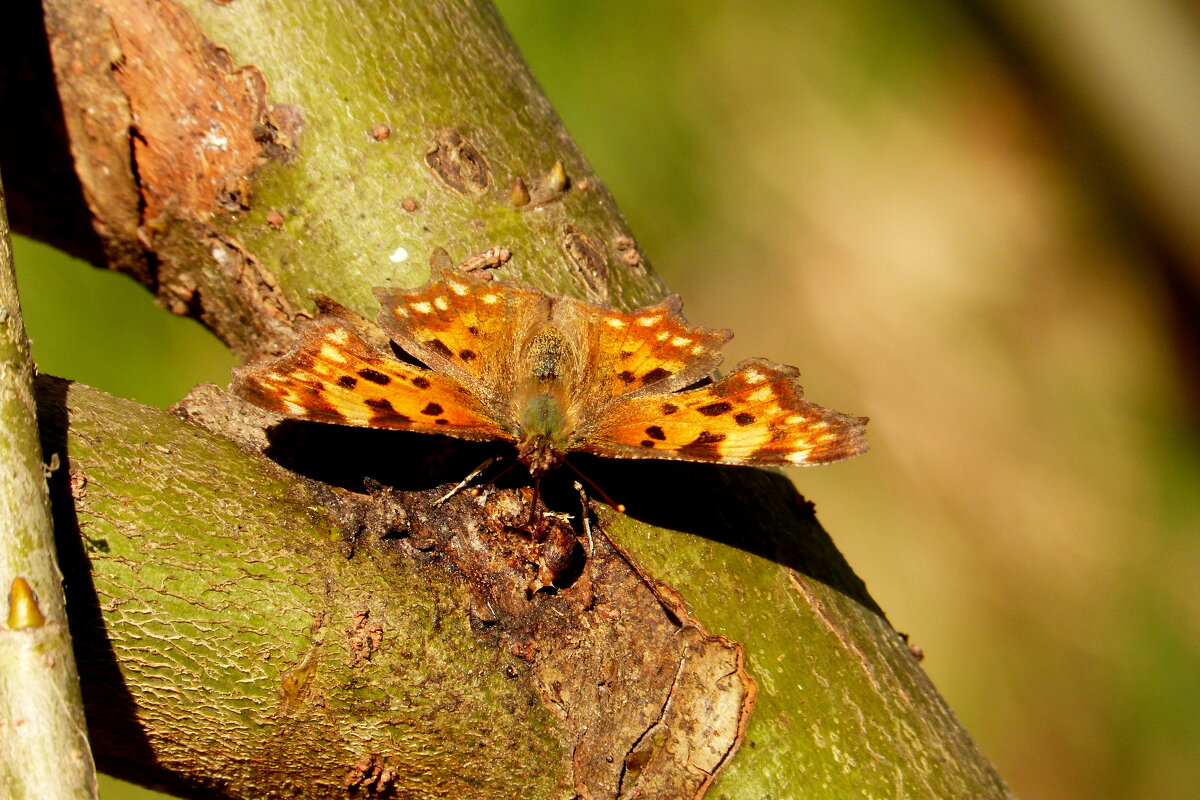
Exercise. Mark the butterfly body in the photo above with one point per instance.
(545, 368)
(552, 375)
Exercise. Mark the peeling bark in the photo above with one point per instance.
(167, 135)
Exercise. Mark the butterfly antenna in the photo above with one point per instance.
(620, 507)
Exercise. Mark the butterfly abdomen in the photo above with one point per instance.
(543, 417)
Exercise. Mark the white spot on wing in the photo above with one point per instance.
(648, 322)
(399, 255)
(338, 336)
(491, 299)
(762, 394)
(295, 408)
(458, 288)
(754, 376)
(441, 303)
(799, 457)
(615, 322)
(680, 341)
(331, 354)
(422, 307)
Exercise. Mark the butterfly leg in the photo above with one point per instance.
(467, 480)
(586, 509)
(533, 506)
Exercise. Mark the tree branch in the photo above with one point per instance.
(239, 160)
(43, 749)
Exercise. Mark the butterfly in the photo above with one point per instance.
(495, 360)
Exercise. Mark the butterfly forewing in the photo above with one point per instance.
(462, 326)
(332, 375)
(649, 351)
(756, 415)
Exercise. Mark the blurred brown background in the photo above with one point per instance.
(976, 223)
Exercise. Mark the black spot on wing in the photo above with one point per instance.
(347, 381)
(647, 443)
(432, 410)
(656, 374)
(384, 412)
(466, 355)
(374, 376)
(669, 408)
(704, 446)
(744, 418)
(627, 376)
(716, 409)
(420, 382)
(656, 432)
(439, 347)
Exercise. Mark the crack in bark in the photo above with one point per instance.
(847, 644)
(662, 715)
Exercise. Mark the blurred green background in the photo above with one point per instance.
(949, 216)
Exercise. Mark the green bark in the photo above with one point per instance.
(43, 747)
(225, 631)
(228, 642)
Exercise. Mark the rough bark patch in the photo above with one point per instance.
(167, 135)
(84, 50)
(587, 260)
(201, 126)
(457, 164)
(649, 703)
(652, 704)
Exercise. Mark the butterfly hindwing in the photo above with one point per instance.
(331, 375)
(755, 415)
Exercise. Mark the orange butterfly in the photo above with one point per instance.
(553, 375)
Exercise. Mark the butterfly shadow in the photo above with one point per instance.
(755, 510)
(353, 458)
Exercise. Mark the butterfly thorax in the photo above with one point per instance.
(547, 368)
